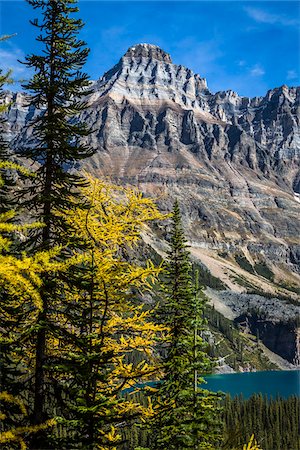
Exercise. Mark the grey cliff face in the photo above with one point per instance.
(233, 162)
(146, 76)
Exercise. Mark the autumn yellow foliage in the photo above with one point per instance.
(17, 435)
(252, 444)
(113, 324)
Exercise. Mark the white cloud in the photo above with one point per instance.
(291, 75)
(10, 55)
(257, 71)
(9, 60)
(241, 63)
(201, 56)
(261, 16)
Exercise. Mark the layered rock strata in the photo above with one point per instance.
(232, 162)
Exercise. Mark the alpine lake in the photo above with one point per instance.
(273, 384)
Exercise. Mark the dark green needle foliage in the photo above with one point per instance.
(56, 145)
(274, 421)
(187, 415)
(57, 86)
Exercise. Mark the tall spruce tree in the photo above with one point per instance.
(57, 88)
(185, 415)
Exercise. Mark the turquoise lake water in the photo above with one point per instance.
(271, 383)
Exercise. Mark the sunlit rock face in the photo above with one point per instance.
(145, 75)
(231, 161)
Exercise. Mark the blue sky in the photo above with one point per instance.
(248, 47)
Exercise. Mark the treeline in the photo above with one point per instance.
(207, 279)
(220, 323)
(275, 422)
(241, 350)
(236, 349)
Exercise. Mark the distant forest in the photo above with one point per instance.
(274, 421)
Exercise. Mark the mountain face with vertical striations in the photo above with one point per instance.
(231, 161)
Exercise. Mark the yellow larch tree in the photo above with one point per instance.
(20, 303)
(105, 337)
(252, 444)
(16, 437)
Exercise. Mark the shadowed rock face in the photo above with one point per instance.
(280, 338)
(233, 162)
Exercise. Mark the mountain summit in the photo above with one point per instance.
(231, 161)
(145, 75)
(148, 51)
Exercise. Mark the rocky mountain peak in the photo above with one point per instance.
(232, 161)
(148, 51)
(146, 76)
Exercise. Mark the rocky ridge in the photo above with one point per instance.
(233, 162)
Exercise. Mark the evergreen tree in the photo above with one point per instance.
(57, 88)
(185, 415)
(261, 415)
